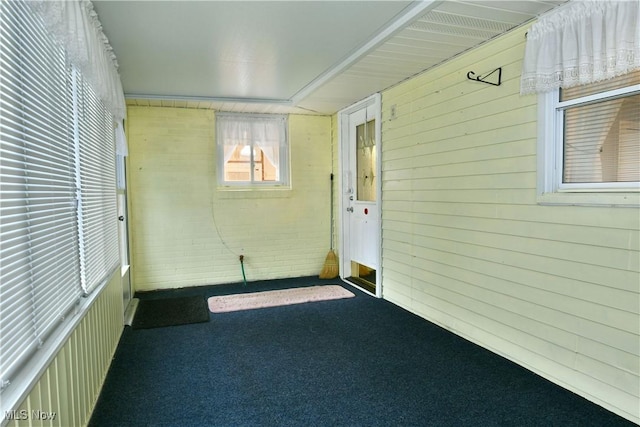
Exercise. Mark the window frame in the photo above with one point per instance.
(284, 181)
(551, 189)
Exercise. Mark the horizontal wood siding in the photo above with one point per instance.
(465, 244)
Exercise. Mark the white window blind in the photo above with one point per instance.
(601, 142)
(601, 132)
(39, 255)
(97, 178)
(56, 142)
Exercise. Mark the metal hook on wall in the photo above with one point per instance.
(483, 79)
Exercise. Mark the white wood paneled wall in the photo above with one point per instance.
(466, 245)
(68, 390)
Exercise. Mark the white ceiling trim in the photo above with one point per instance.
(286, 102)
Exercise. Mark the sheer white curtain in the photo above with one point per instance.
(121, 140)
(266, 133)
(232, 133)
(581, 43)
(75, 25)
(269, 135)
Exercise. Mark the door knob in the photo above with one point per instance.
(349, 209)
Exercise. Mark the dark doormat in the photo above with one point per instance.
(156, 313)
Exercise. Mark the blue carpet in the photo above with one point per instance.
(354, 362)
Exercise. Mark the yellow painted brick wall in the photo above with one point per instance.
(466, 245)
(186, 232)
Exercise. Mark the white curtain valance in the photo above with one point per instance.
(581, 43)
(75, 25)
(268, 133)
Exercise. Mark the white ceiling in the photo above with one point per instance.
(291, 56)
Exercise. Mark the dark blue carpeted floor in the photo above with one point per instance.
(353, 362)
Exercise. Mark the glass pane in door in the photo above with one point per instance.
(366, 162)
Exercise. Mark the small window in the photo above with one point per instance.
(590, 137)
(252, 150)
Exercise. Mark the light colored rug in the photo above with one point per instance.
(250, 301)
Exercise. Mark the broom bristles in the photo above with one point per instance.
(330, 268)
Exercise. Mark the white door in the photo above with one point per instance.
(360, 138)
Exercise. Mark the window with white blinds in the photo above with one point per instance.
(58, 229)
(96, 174)
(591, 137)
(601, 129)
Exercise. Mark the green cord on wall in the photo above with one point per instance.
(244, 277)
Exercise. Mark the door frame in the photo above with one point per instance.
(122, 201)
(374, 100)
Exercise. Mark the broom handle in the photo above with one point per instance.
(331, 214)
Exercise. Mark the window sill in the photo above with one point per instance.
(253, 192)
(622, 200)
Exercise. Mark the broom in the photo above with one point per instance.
(330, 268)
